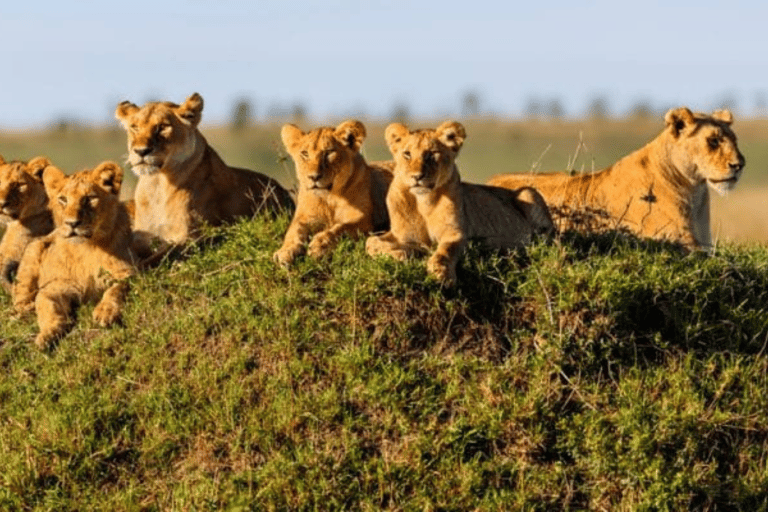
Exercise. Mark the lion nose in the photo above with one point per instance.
(142, 150)
(73, 223)
(315, 177)
(737, 166)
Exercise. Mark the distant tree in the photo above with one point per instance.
(727, 101)
(555, 109)
(761, 104)
(470, 104)
(242, 114)
(401, 113)
(533, 108)
(642, 109)
(598, 108)
(298, 112)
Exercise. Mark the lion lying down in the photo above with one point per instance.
(85, 259)
(23, 210)
(339, 193)
(659, 191)
(182, 181)
(429, 206)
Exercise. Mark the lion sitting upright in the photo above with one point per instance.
(182, 181)
(659, 191)
(23, 210)
(429, 205)
(86, 258)
(339, 193)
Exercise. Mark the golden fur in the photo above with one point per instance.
(85, 259)
(659, 191)
(339, 193)
(182, 181)
(23, 210)
(429, 205)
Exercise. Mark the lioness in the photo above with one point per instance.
(182, 180)
(659, 191)
(87, 256)
(339, 193)
(428, 204)
(23, 210)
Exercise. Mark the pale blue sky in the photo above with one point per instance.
(339, 57)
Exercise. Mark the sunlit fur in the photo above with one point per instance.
(23, 210)
(339, 193)
(182, 181)
(86, 258)
(430, 207)
(659, 191)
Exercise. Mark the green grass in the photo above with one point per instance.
(600, 373)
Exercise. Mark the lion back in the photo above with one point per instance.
(503, 218)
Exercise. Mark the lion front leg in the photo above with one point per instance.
(442, 263)
(293, 245)
(110, 307)
(54, 306)
(388, 244)
(27, 277)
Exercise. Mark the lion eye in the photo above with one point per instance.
(330, 156)
(713, 142)
(305, 154)
(133, 127)
(407, 155)
(62, 200)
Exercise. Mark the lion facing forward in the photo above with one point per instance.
(85, 259)
(23, 210)
(182, 181)
(339, 193)
(659, 191)
(430, 206)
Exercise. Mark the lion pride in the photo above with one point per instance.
(660, 191)
(339, 193)
(182, 181)
(86, 258)
(24, 211)
(429, 206)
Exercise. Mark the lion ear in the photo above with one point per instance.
(109, 176)
(723, 115)
(394, 134)
(290, 134)
(191, 111)
(53, 179)
(125, 109)
(678, 119)
(451, 134)
(351, 133)
(36, 166)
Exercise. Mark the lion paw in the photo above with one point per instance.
(444, 273)
(284, 257)
(106, 313)
(320, 245)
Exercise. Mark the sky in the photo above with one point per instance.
(337, 58)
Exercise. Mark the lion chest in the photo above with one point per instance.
(442, 216)
(161, 209)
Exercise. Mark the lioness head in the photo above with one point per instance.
(160, 134)
(21, 188)
(324, 157)
(84, 204)
(705, 147)
(424, 159)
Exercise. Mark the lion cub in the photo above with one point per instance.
(86, 258)
(23, 210)
(430, 206)
(182, 181)
(339, 193)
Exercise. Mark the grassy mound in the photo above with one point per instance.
(589, 372)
